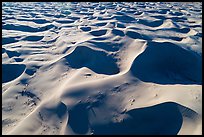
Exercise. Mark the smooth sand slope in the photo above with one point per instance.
(102, 68)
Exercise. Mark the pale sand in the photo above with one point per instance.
(102, 68)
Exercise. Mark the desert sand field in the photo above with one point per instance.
(102, 68)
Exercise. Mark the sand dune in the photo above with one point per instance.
(166, 68)
(113, 68)
(11, 71)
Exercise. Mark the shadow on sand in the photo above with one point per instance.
(161, 119)
(167, 63)
(11, 71)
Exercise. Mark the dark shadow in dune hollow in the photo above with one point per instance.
(9, 40)
(85, 28)
(97, 61)
(155, 23)
(136, 35)
(59, 110)
(11, 71)
(30, 71)
(118, 32)
(124, 18)
(25, 28)
(162, 119)
(78, 119)
(167, 63)
(18, 59)
(33, 38)
(12, 53)
(98, 32)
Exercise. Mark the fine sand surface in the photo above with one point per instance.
(102, 68)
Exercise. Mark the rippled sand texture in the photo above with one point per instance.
(102, 68)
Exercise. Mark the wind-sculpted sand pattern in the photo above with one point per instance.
(102, 68)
